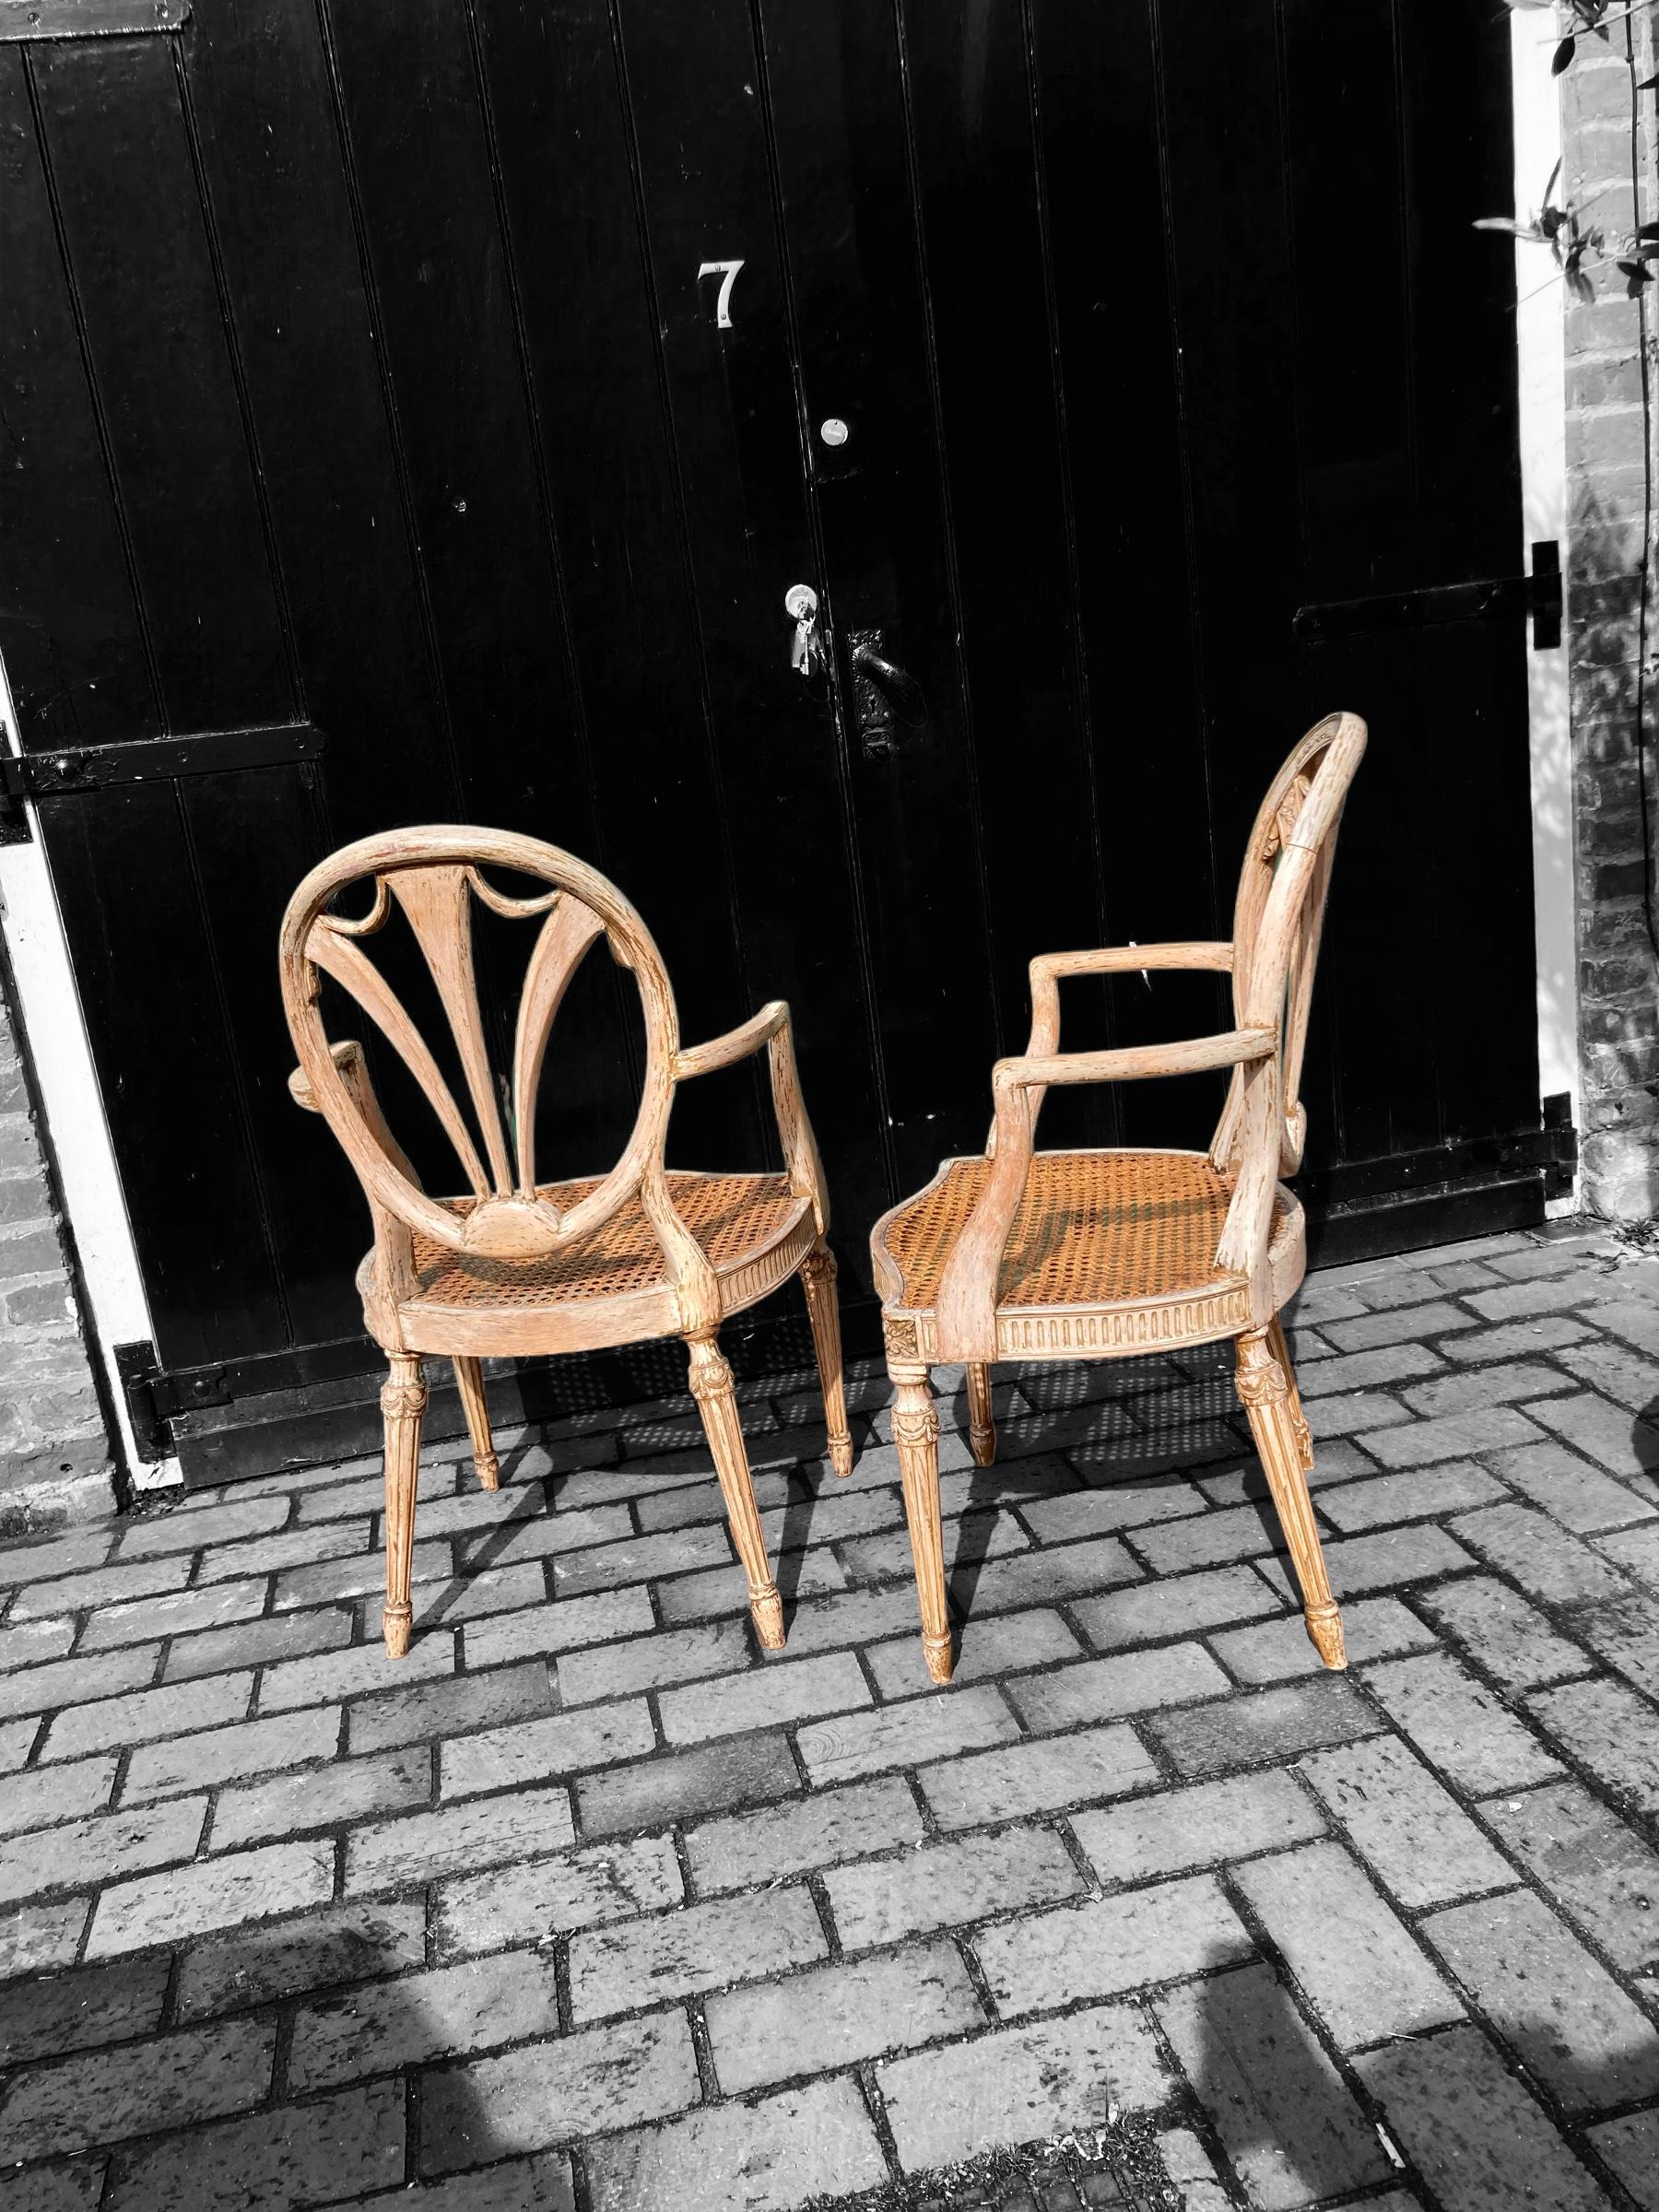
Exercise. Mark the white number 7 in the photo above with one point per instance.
(723, 306)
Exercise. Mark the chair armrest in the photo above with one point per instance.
(736, 1044)
(1130, 1064)
(1117, 959)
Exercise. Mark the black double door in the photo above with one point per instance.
(460, 386)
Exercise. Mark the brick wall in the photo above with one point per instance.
(1604, 147)
(54, 1451)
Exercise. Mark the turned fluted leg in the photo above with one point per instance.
(982, 1427)
(469, 1374)
(1299, 1420)
(823, 1311)
(717, 1403)
(403, 1401)
(1268, 1395)
(916, 1433)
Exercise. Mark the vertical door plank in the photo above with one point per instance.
(70, 627)
(143, 273)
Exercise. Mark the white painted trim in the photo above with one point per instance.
(1541, 368)
(58, 1046)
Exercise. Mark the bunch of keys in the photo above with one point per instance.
(806, 654)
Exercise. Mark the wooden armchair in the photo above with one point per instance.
(1104, 1254)
(518, 1266)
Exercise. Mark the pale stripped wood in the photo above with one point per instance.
(524, 1273)
(969, 1311)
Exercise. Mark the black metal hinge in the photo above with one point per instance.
(1538, 595)
(66, 771)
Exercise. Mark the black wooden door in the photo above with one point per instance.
(462, 385)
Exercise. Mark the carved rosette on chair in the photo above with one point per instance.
(1023, 1255)
(514, 1265)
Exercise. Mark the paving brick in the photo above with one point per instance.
(17, 1741)
(813, 2142)
(482, 1592)
(331, 2150)
(329, 1677)
(1359, 1413)
(1175, 1607)
(1388, 1284)
(1573, 1492)
(1503, 1633)
(703, 1947)
(75, 1681)
(64, 1791)
(1340, 1460)
(140, 1715)
(1104, 1689)
(1353, 1959)
(1152, 1837)
(421, 1847)
(1389, 1364)
(349, 1790)
(948, 1885)
(1020, 2085)
(1634, 1320)
(1238, 1532)
(75, 2188)
(302, 1549)
(1420, 1443)
(1479, 1389)
(776, 1693)
(572, 1624)
(835, 2016)
(100, 2097)
(95, 2005)
(904, 1735)
(1614, 1370)
(844, 1617)
(538, 1750)
(1096, 1512)
(1534, 1334)
(33, 1642)
(256, 1643)
(1280, 1651)
(100, 1849)
(38, 1939)
(1607, 1727)
(213, 1894)
(1262, 1726)
(1514, 1301)
(989, 1647)
(544, 2183)
(1109, 1945)
(1631, 2147)
(1480, 2141)
(1399, 1325)
(319, 1950)
(191, 1530)
(478, 2007)
(548, 1898)
(642, 1559)
(1636, 1551)
(719, 1592)
(1410, 1833)
(1036, 1777)
(1458, 1724)
(1599, 1871)
(186, 1762)
(1603, 1431)
(1291, 2128)
(745, 1849)
(484, 1541)
(174, 1613)
(748, 1770)
(556, 2092)
(449, 1706)
(653, 1661)
(358, 1573)
(1385, 1500)
(56, 1557)
(1546, 1561)
(1563, 2015)
(968, 1540)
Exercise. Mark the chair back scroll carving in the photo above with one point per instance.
(431, 876)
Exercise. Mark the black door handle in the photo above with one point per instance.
(879, 686)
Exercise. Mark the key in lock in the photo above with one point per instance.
(807, 652)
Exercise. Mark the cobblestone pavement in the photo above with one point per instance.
(585, 1904)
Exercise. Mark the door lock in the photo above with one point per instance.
(806, 654)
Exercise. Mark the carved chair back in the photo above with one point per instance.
(431, 876)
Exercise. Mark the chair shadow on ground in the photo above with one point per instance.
(378, 2097)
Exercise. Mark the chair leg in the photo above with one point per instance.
(469, 1374)
(1268, 1390)
(916, 1433)
(982, 1427)
(403, 1402)
(1299, 1420)
(823, 1311)
(717, 1403)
